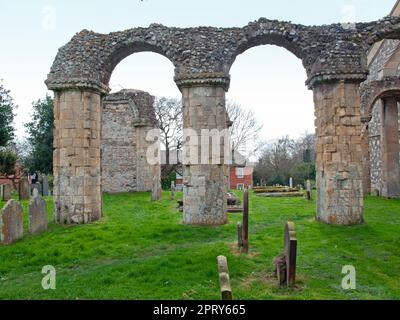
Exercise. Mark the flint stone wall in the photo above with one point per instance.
(379, 68)
(127, 116)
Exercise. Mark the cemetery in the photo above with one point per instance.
(112, 232)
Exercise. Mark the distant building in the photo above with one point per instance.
(241, 173)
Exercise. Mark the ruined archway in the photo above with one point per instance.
(334, 57)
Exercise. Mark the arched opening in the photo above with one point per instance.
(384, 146)
(270, 81)
(129, 116)
(381, 108)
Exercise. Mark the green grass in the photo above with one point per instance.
(140, 250)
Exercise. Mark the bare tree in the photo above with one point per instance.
(245, 128)
(169, 118)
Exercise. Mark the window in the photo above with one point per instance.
(240, 186)
(240, 172)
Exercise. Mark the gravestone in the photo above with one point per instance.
(246, 221)
(291, 182)
(156, 190)
(24, 189)
(290, 253)
(37, 214)
(7, 188)
(224, 280)
(172, 190)
(309, 190)
(35, 193)
(45, 186)
(11, 222)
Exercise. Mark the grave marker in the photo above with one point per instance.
(246, 221)
(240, 235)
(45, 186)
(11, 222)
(156, 190)
(290, 253)
(37, 214)
(24, 189)
(224, 280)
(172, 190)
(7, 192)
(309, 190)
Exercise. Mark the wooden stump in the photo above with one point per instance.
(224, 280)
(246, 221)
(290, 253)
(240, 235)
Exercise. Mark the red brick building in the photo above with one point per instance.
(241, 177)
(241, 172)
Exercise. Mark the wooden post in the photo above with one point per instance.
(240, 235)
(224, 281)
(290, 253)
(246, 221)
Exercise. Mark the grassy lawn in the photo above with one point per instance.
(140, 250)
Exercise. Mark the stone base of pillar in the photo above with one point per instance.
(205, 194)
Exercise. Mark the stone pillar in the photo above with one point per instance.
(390, 149)
(77, 172)
(366, 165)
(339, 166)
(205, 180)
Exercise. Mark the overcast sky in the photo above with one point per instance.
(267, 79)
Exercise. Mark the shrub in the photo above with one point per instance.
(8, 160)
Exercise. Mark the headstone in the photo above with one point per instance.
(290, 253)
(11, 222)
(35, 193)
(6, 192)
(309, 190)
(156, 190)
(246, 221)
(37, 214)
(240, 235)
(45, 186)
(172, 190)
(291, 182)
(224, 281)
(24, 189)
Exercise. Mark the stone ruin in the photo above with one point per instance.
(380, 119)
(334, 57)
(127, 117)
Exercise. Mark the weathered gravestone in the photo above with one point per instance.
(24, 189)
(172, 190)
(11, 222)
(286, 263)
(309, 190)
(5, 192)
(45, 186)
(291, 182)
(35, 193)
(224, 280)
(37, 214)
(156, 194)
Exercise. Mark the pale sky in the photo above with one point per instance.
(267, 79)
